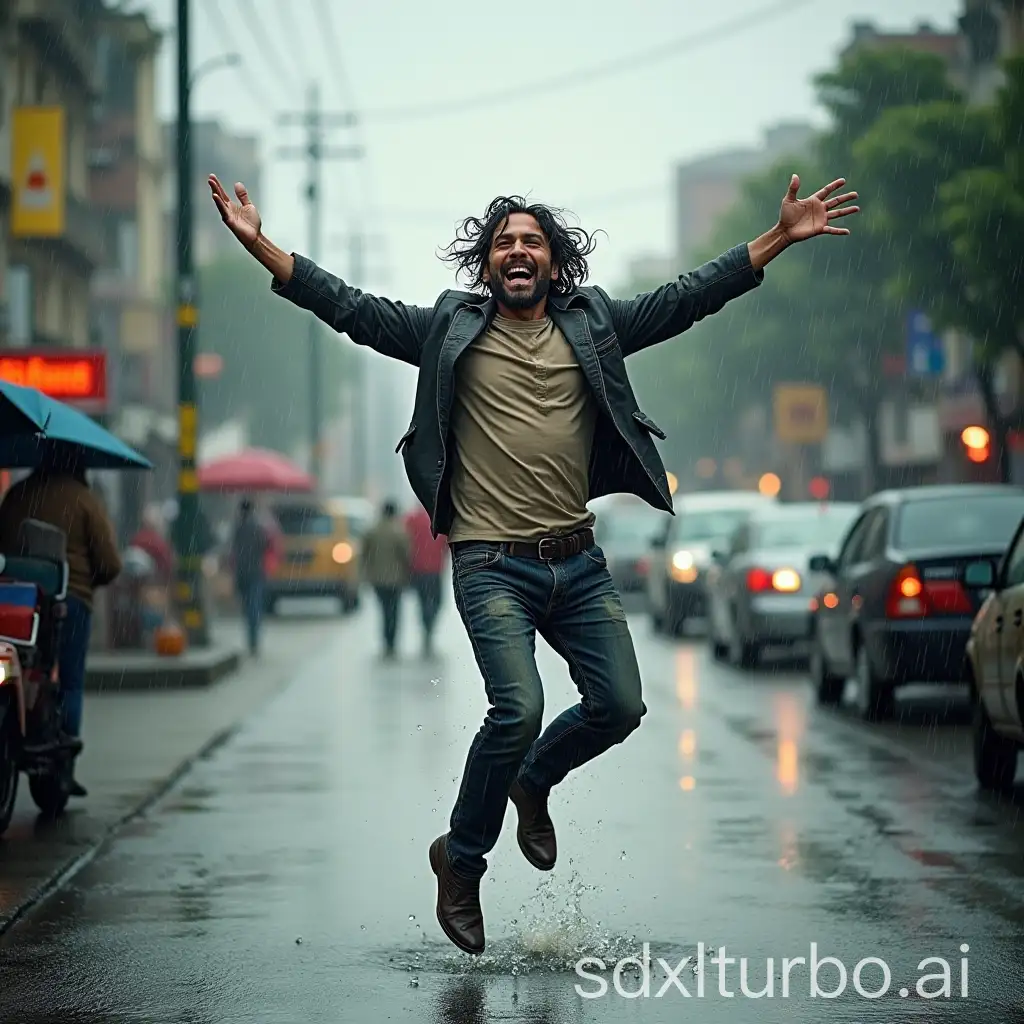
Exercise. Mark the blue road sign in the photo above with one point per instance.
(926, 355)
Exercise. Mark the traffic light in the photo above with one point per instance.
(977, 443)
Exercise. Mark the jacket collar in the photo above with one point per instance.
(487, 306)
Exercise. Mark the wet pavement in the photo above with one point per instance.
(285, 877)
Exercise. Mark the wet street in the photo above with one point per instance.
(285, 877)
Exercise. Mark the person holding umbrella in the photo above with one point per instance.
(58, 493)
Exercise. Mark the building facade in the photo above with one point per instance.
(214, 151)
(708, 187)
(55, 240)
(131, 287)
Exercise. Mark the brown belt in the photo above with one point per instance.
(547, 549)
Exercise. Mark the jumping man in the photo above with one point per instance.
(524, 413)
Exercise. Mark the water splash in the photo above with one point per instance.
(552, 934)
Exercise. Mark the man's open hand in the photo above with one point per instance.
(242, 217)
(800, 219)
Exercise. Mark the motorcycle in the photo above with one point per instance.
(33, 590)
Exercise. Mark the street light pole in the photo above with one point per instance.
(190, 578)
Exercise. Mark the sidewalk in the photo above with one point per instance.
(138, 742)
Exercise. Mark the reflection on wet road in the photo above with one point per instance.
(286, 878)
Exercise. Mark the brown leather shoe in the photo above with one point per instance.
(536, 832)
(458, 901)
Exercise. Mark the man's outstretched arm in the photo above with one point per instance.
(668, 311)
(391, 328)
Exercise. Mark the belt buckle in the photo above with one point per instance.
(540, 548)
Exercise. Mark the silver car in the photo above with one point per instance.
(760, 588)
(681, 554)
(624, 530)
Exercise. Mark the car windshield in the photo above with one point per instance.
(300, 521)
(358, 524)
(964, 519)
(813, 529)
(631, 528)
(710, 524)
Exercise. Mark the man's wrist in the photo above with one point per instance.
(766, 247)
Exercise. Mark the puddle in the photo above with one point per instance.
(551, 935)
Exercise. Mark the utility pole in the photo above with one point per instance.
(315, 152)
(186, 527)
(357, 243)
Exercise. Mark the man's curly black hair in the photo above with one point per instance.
(570, 247)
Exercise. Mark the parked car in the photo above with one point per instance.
(681, 554)
(759, 589)
(900, 600)
(995, 653)
(624, 530)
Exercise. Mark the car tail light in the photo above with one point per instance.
(782, 581)
(643, 566)
(758, 581)
(906, 596)
(910, 598)
(947, 597)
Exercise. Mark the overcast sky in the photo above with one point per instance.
(603, 145)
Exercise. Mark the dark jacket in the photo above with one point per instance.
(601, 330)
(64, 501)
(248, 549)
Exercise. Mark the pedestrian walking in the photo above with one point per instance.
(523, 413)
(386, 559)
(429, 559)
(58, 493)
(249, 548)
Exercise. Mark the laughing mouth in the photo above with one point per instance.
(519, 274)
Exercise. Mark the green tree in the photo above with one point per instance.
(264, 342)
(826, 313)
(950, 206)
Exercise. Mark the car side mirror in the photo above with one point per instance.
(980, 575)
(822, 563)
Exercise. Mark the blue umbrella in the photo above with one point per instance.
(54, 432)
(22, 410)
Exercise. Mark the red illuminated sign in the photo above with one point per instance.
(78, 378)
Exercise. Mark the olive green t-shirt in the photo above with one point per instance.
(523, 422)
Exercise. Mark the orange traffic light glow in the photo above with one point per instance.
(975, 438)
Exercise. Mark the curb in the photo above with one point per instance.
(150, 672)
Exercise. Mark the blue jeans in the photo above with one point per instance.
(504, 602)
(250, 593)
(74, 647)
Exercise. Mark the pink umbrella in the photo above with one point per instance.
(255, 469)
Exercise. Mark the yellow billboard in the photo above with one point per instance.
(801, 413)
(38, 172)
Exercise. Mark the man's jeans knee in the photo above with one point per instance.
(504, 601)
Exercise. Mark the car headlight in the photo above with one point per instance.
(683, 560)
(684, 567)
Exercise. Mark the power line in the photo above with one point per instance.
(335, 58)
(291, 37)
(637, 61)
(635, 195)
(333, 51)
(228, 38)
(265, 46)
